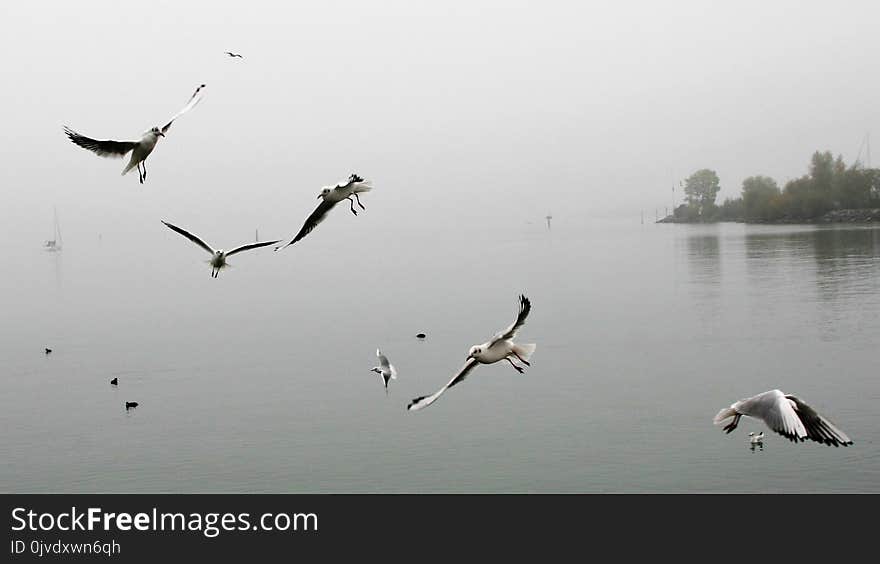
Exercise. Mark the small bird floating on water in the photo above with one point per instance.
(233, 55)
(48, 351)
(421, 336)
(114, 381)
(756, 439)
(130, 405)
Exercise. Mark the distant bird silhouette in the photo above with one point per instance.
(139, 149)
(130, 405)
(756, 439)
(48, 351)
(330, 196)
(421, 336)
(231, 54)
(548, 218)
(114, 381)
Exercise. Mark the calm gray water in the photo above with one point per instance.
(259, 381)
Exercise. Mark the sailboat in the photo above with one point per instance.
(55, 244)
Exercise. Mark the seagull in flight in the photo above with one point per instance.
(385, 369)
(233, 55)
(500, 347)
(218, 256)
(756, 439)
(785, 414)
(332, 195)
(140, 150)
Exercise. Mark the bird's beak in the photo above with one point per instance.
(162, 134)
(319, 196)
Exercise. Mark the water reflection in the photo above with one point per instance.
(704, 258)
(847, 271)
(844, 259)
(834, 267)
(703, 250)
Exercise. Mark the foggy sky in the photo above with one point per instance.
(459, 112)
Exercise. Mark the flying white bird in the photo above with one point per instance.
(140, 150)
(218, 256)
(756, 439)
(233, 55)
(786, 415)
(500, 347)
(385, 369)
(331, 196)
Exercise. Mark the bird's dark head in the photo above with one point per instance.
(157, 131)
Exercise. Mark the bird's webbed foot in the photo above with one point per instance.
(732, 425)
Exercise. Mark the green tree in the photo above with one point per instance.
(700, 189)
(822, 172)
(854, 187)
(757, 194)
(731, 210)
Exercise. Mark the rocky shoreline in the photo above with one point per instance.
(834, 216)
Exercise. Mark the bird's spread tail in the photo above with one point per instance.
(525, 351)
(725, 413)
(131, 164)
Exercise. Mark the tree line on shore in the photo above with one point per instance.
(829, 185)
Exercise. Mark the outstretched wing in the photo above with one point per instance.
(386, 365)
(817, 427)
(425, 401)
(311, 222)
(251, 246)
(383, 360)
(525, 306)
(101, 147)
(192, 103)
(190, 236)
(776, 411)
